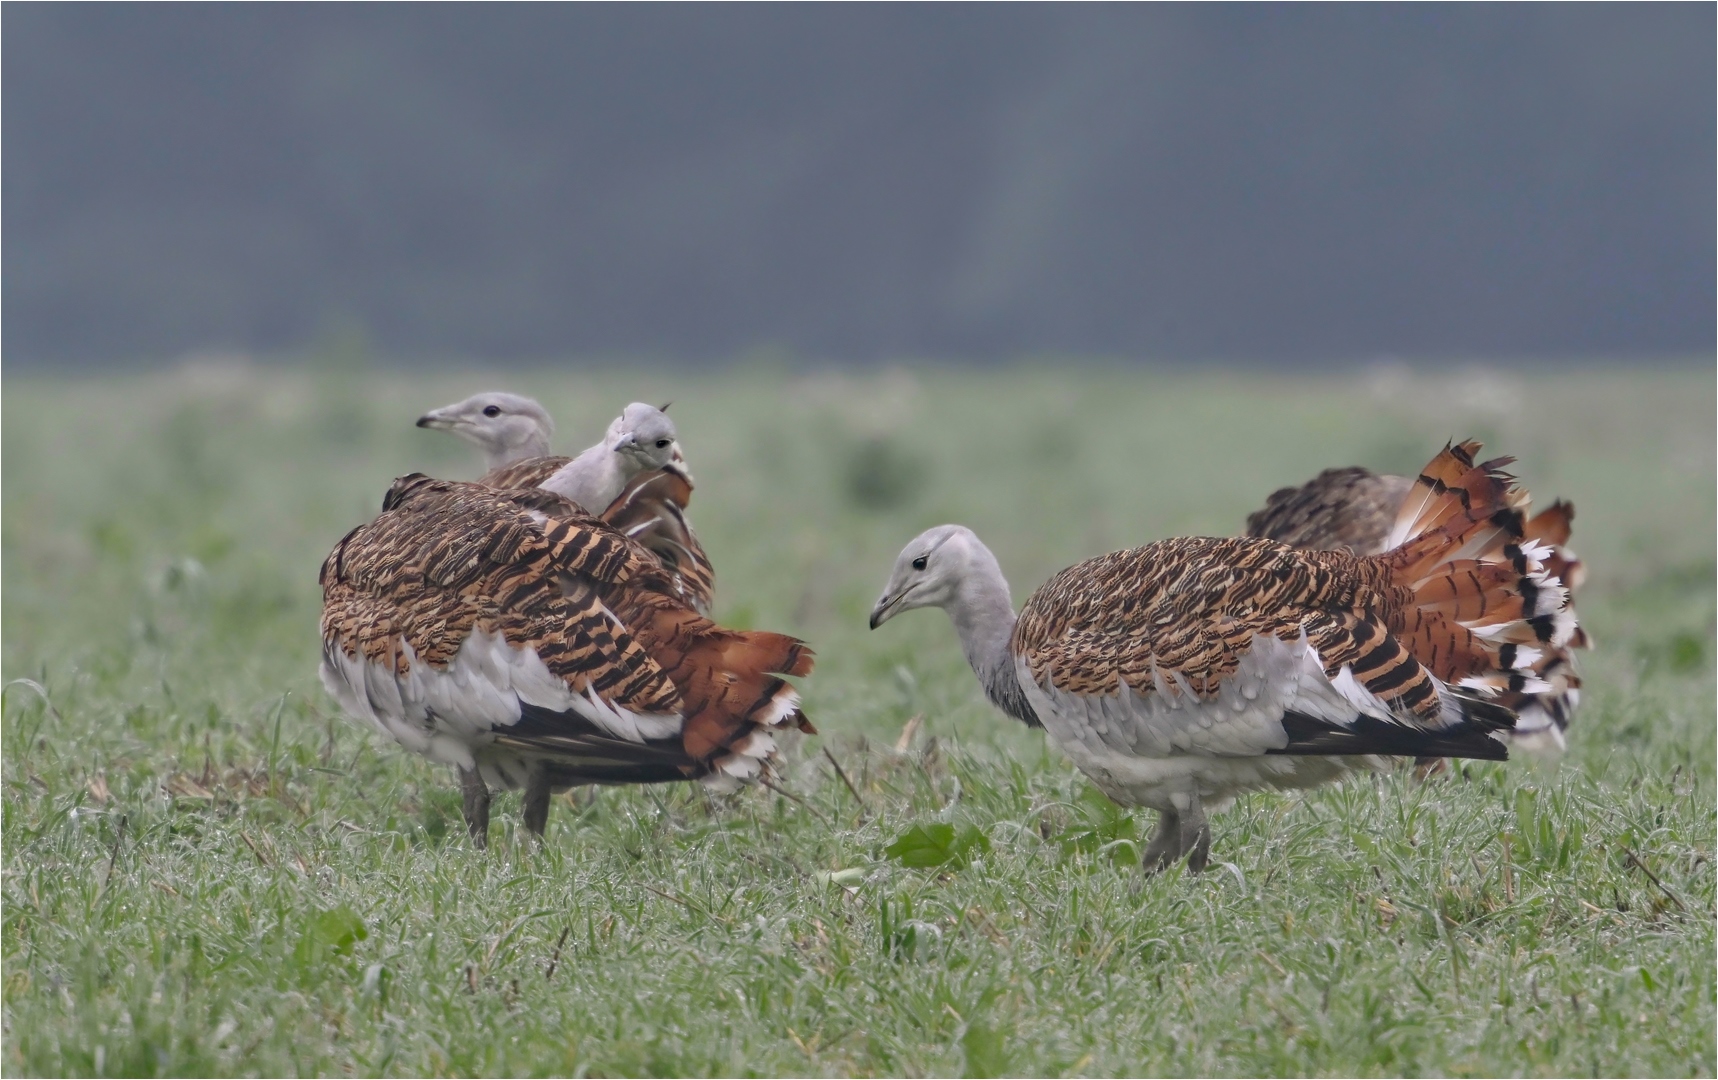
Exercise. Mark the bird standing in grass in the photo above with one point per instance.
(1182, 673)
(1352, 509)
(528, 644)
(636, 478)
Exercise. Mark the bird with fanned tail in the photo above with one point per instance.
(1183, 673)
(528, 644)
(1352, 509)
(636, 478)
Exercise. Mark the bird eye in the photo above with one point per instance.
(492, 410)
(919, 563)
(660, 443)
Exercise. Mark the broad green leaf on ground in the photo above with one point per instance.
(938, 844)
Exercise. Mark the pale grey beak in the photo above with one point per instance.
(435, 420)
(625, 442)
(885, 609)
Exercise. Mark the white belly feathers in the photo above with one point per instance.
(448, 713)
(1143, 747)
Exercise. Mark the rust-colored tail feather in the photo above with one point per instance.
(1488, 607)
(731, 681)
(1551, 528)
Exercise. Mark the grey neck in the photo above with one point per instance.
(983, 615)
(536, 446)
(593, 479)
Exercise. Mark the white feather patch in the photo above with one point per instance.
(759, 744)
(447, 714)
(1536, 730)
(1153, 749)
(623, 723)
(739, 766)
(720, 783)
(1167, 718)
(1356, 694)
(782, 705)
(1537, 551)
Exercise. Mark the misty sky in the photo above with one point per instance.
(1259, 182)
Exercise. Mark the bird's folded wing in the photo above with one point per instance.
(1204, 645)
(575, 751)
(504, 582)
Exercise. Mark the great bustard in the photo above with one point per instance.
(512, 635)
(1182, 673)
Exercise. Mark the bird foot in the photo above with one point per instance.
(476, 806)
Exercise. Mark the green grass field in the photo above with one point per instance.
(208, 871)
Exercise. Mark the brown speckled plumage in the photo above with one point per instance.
(1186, 610)
(1189, 608)
(445, 559)
(651, 510)
(524, 474)
(1190, 605)
(1350, 509)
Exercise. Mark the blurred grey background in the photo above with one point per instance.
(1280, 184)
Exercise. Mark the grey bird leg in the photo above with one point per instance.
(536, 805)
(476, 806)
(1195, 839)
(1165, 846)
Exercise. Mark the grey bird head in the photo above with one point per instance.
(645, 436)
(928, 572)
(507, 427)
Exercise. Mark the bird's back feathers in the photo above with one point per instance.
(528, 473)
(651, 509)
(1350, 509)
(1416, 639)
(486, 586)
